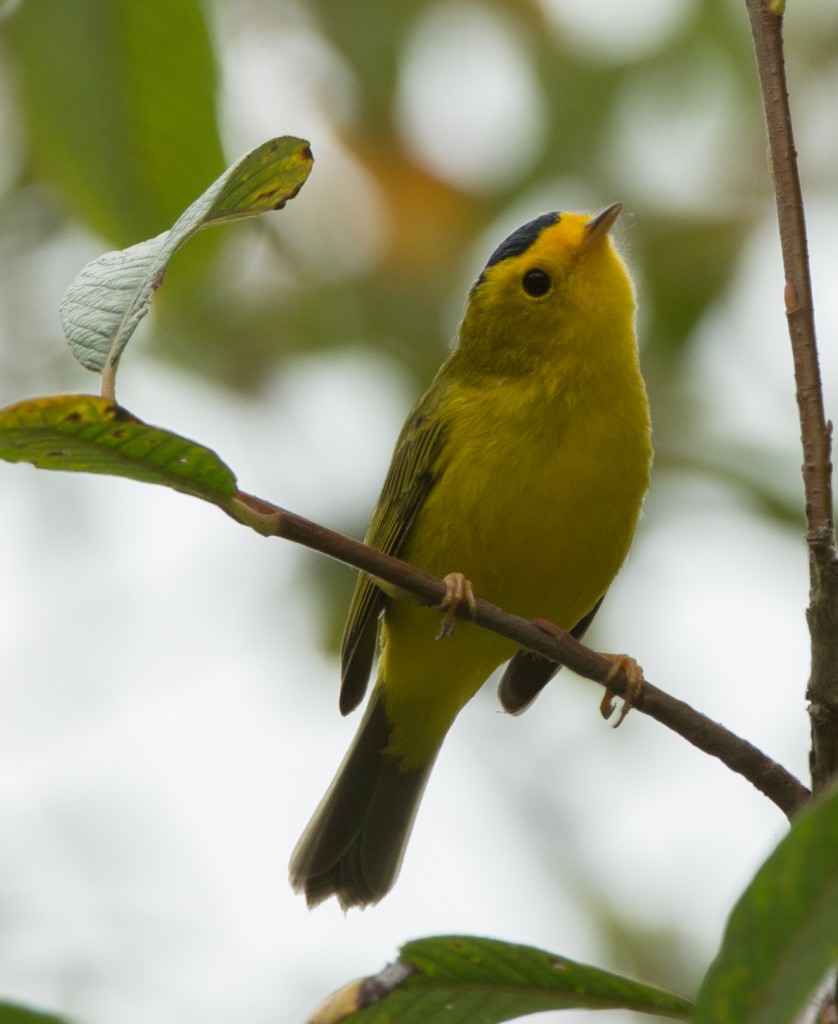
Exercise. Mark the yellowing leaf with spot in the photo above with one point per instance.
(86, 434)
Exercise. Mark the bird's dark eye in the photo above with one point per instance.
(536, 283)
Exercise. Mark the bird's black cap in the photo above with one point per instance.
(521, 239)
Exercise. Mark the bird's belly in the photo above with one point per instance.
(539, 531)
(543, 533)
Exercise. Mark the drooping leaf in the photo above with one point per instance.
(13, 1013)
(465, 980)
(781, 938)
(87, 434)
(119, 99)
(103, 306)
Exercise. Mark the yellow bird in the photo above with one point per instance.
(521, 471)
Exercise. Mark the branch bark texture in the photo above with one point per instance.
(767, 30)
(780, 786)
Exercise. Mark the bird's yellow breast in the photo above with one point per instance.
(536, 504)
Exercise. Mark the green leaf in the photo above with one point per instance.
(120, 105)
(87, 434)
(103, 306)
(782, 936)
(12, 1013)
(464, 980)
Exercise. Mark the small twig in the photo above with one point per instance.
(767, 31)
(108, 387)
(780, 786)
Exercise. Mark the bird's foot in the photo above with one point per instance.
(457, 590)
(633, 675)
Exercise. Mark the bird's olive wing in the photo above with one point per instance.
(415, 468)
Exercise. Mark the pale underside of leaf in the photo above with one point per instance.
(105, 303)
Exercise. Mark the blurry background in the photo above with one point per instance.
(168, 681)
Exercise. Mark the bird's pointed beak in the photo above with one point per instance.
(601, 224)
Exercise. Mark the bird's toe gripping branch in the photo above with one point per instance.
(633, 675)
(458, 590)
(621, 664)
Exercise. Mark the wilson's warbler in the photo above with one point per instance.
(523, 468)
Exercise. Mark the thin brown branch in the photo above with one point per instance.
(767, 31)
(770, 778)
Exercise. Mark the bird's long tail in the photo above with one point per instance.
(353, 846)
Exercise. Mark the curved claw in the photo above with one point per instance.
(633, 674)
(458, 589)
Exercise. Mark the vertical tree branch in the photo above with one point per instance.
(766, 17)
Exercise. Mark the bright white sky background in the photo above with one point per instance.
(167, 724)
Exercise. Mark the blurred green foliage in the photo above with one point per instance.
(118, 105)
(116, 108)
(115, 111)
(114, 115)
(11, 1013)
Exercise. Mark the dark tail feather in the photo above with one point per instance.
(523, 679)
(353, 846)
(528, 673)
